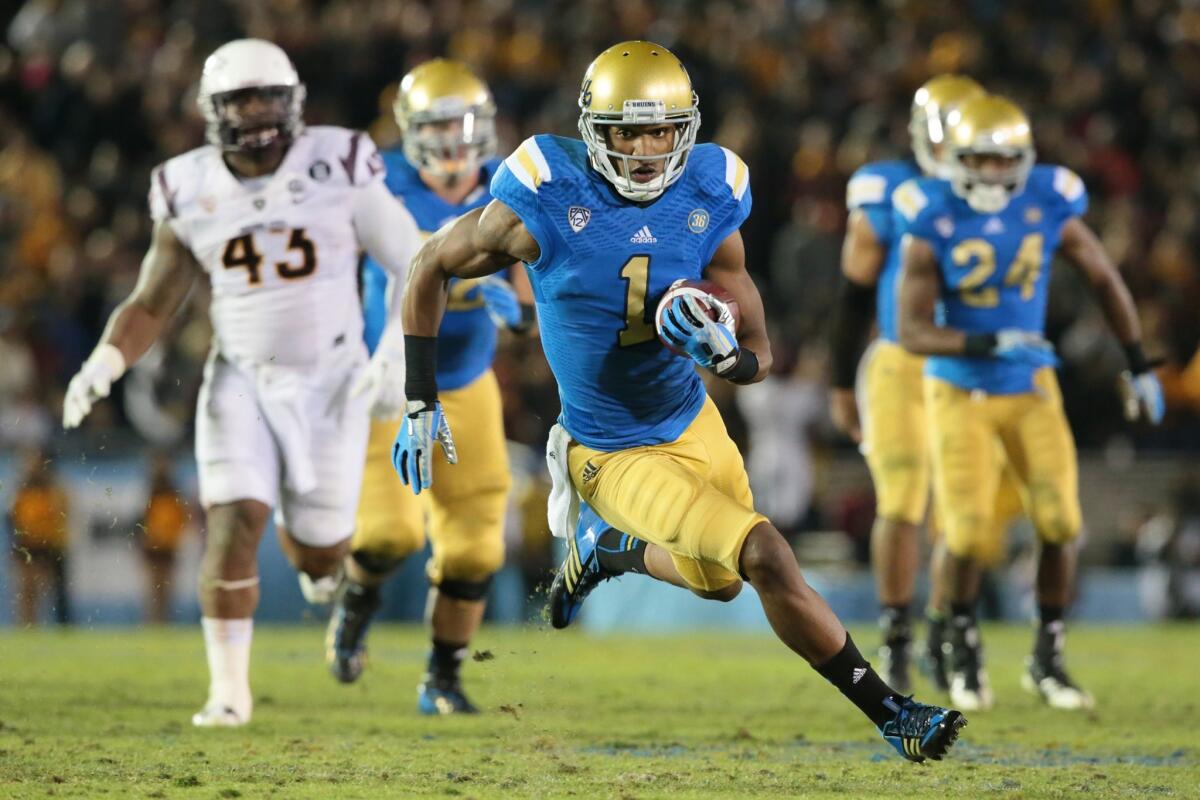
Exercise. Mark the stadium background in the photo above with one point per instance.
(92, 95)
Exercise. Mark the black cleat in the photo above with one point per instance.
(1048, 678)
(918, 731)
(346, 636)
(969, 687)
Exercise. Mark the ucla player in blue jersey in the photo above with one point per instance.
(604, 226)
(977, 251)
(891, 430)
(445, 114)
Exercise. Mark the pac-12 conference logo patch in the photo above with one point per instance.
(698, 221)
(578, 217)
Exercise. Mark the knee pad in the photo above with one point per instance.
(465, 590)
(376, 563)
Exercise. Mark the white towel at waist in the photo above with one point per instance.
(562, 509)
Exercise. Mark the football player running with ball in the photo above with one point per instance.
(274, 215)
(973, 293)
(446, 116)
(604, 226)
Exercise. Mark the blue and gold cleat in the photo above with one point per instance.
(439, 696)
(580, 572)
(919, 731)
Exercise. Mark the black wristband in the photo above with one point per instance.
(851, 319)
(420, 359)
(527, 319)
(744, 369)
(1138, 363)
(979, 345)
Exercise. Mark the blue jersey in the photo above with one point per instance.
(604, 264)
(994, 267)
(870, 190)
(467, 336)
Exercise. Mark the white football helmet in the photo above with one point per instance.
(245, 67)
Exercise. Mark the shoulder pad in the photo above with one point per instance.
(1068, 184)
(910, 199)
(352, 152)
(176, 182)
(737, 174)
(528, 164)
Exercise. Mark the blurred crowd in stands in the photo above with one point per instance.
(93, 95)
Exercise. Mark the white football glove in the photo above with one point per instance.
(382, 382)
(93, 382)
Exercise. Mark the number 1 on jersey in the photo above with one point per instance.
(636, 274)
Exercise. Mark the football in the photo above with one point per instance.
(715, 299)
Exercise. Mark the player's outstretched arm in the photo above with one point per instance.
(1143, 394)
(862, 261)
(728, 269)
(479, 243)
(168, 273)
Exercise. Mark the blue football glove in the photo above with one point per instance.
(710, 344)
(412, 453)
(1024, 347)
(1143, 397)
(500, 301)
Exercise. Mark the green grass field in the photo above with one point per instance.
(105, 712)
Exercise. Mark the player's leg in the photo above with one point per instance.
(466, 531)
(965, 476)
(668, 495)
(239, 476)
(1042, 452)
(897, 452)
(389, 527)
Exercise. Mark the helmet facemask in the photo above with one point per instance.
(278, 118)
(618, 168)
(989, 190)
(450, 142)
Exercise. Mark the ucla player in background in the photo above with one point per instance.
(892, 430)
(446, 117)
(604, 226)
(977, 251)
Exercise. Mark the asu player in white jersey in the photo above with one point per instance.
(273, 215)
(447, 158)
(605, 224)
(885, 411)
(976, 256)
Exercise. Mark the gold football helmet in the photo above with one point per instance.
(447, 117)
(637, 83)
(931, 105)
(989, 126)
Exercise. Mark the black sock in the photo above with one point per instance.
(360, 599)
(619, 552)
(858, 681)
(894, 622)
(936, 622)
(961, 611)
(1051, 632)
(445, 658)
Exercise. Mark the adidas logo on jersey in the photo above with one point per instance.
(643, 236)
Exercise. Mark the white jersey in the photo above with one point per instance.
(281, 251)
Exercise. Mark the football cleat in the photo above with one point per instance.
(439, 696)
(969, 687)
(580, 572)
(346, 636)
(217, 715)
(1048, 679)
(918, 731)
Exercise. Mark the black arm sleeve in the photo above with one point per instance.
(420, 377)
(852, 319)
